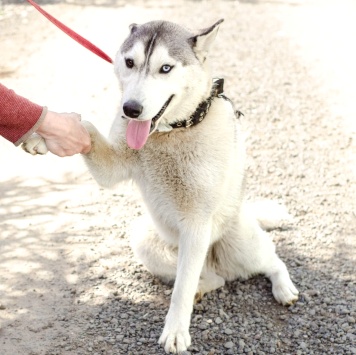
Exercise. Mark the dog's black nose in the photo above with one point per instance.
(132, 109)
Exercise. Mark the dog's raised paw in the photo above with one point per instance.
(89, 127)
(34, 145)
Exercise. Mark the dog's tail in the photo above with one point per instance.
(270, 214)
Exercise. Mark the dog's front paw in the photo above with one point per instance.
(93, 132)
(175, 341)
(35, 145)
(89, 127)
(175, 337)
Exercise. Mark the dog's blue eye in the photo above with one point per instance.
(165, 69)
(129, 63)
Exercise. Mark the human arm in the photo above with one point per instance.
(19, 118)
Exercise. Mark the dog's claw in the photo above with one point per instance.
(286, 294)
(198, 297)
(175, 343)
(175, 337)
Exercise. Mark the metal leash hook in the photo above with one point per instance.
(78, 38)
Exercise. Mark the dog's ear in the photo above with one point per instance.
(133, 27)
(203, 40)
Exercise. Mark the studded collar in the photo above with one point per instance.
(217, 91)
(203, 108)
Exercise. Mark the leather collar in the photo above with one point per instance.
(217, 91)
(203, 108)
(199, 114)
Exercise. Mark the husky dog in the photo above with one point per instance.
(178, 137)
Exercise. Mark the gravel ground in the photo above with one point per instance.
(70, 284)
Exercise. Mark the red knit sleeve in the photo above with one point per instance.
(19, 117)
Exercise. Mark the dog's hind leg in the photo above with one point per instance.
(159, 257)
(283, 288)
(248, 251)
(270, 215)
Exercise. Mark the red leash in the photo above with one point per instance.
(81, 40)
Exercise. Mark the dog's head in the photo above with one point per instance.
(163, 73)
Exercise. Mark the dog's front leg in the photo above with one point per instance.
(108, 163)
(193, 246)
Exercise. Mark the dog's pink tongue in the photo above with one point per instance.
(137, 133)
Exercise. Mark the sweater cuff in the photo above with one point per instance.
(34, 128)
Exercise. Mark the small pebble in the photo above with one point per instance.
(229, 345)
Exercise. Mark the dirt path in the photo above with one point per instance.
(68, 281)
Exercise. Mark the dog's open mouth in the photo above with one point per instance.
(138, 131)
(155, 119)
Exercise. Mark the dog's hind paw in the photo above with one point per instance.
(208, 282)
(35, 144)
(285, 293)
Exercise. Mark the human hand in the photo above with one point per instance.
(64, 134)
